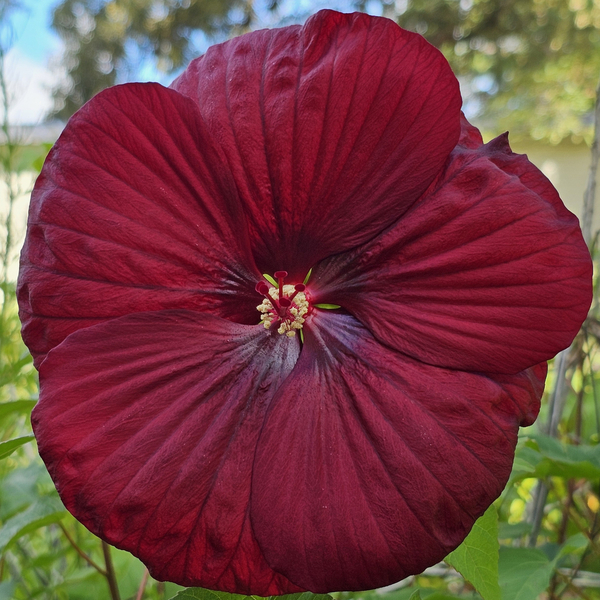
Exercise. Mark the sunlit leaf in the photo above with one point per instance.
(476, 559)
(8, 447)
(576, 544)
(18, 406)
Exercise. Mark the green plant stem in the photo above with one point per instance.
(143, 582)
(540, 496)
(571, 586)
(562, 533)
(576, 520)
(81, 553)
(556, 406)
(110, 573)
(579, 406)
(593, 384)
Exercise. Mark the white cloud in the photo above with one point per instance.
(29, 88)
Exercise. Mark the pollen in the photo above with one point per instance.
(284, 308)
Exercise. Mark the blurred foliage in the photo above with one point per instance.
(106, 38)
(531, 65)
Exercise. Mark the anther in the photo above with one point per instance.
(285, 307)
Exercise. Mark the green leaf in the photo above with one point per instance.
(8, 447)
(476, 559)
(202, 594)
(576, 544)
(271, 281)
(44, 511)
(544, 456)
(416, 595)
(524, 573)
(327, 306)
(21, 486)
(18, 406)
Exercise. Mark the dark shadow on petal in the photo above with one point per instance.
(135, 210)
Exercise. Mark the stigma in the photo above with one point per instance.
(285, 307)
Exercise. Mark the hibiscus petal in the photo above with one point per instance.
(332, 130)
(487, 272)
(134, 210)
(372, 466)
(148, 425)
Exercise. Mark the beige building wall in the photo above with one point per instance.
(22, 185)
(567, 166)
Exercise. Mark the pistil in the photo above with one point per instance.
(284, 306)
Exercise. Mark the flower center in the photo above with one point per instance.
(284, 306)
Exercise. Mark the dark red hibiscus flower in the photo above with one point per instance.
(294, 446)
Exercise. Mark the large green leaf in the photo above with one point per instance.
(18, 406)
(8, 447)
(44, 511)
(576, 544)
(202, 594)
(524, 573)
(476, 559)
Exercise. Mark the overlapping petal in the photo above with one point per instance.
(332, 130)
(134, 210)
(487, 272)
(372, 466)
(148, 425)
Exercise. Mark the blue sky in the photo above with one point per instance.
(28, 68)
(31, 29)
(33, 68)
